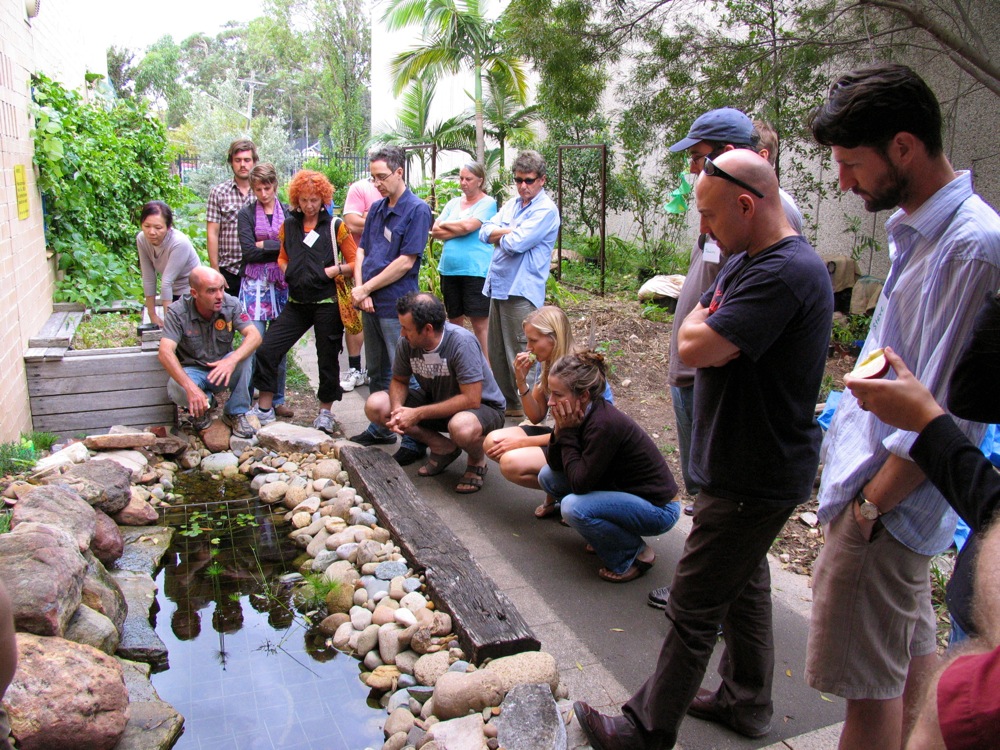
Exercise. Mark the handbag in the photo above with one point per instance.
(349, 314)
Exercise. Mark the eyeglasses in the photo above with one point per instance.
(712, 170)
(525, 180)
(695, 158)
(381, 178)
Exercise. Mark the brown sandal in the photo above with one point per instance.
(473, 483)
(639, 568)
(438, 462)
(547, 509)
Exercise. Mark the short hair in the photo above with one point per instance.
(308, 182)
(767, 138)
(157, 208)
(868, 107)
(529, 161)
(424, 307)
(476, 168)
(393, 156)
(582, 372)
(551, 321)
(264, 173)
(242, 144)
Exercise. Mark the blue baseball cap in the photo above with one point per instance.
(726, 125)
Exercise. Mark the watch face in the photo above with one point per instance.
(869, 511)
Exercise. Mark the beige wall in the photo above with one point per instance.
(50, 43)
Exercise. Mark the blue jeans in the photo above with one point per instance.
(279, 392)
(957, 635)
(683, 398)
(612, 522)
(381, 337)
(239, 386)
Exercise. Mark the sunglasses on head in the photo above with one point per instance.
(525, 180)
(713, 170)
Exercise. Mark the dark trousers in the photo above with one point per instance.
(722, 577)
(233, 281)
(295, 320)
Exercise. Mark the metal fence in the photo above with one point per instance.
(358, 164)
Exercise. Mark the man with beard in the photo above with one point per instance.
(872, 637)
(225, 200)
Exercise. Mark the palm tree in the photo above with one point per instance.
(456, 35)
(504, 116)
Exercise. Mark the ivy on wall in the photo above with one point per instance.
(98, 163)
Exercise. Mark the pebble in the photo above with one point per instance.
(405, 617)
(411, 584)
(386, 571)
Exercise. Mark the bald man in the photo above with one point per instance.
(757, 340)
(196, 350)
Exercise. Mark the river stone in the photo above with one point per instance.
(152, 722)
(374, 585)
(458, 734)
(361, 518)
(361, 618)
(323, 560)
(301, 520)
(92, 629)
(102, 593)
(329, 624)
(309, 505)
(134, 461)
(348, 552)
(137, 512)
(65, 695)
(284, 437)
(190, 459)
(328, 468)
(169, 445)
(216, 462)
(368, 640)
(74, 453)
(405, 617)
(527, 668)
(272, 492)
(139, 641)
(388, 642)
(43, 571)
(57, 506)
(400, 698)
(103, 484)
(108, 543)
(216, 436)
(529, 720)
(372, 660)
(413, 601)
(386, 571)
(459, 693)
(119, 440)
(294, 495)
(343, 572)
(430, 667)
(411, 584)
(382, 678)
(400, 720)
(405, 660)
(340, 598)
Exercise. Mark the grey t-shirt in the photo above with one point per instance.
(458, 360)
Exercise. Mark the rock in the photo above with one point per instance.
(459, 693)
(382, 678)
(400, 720)
(139, 641)
(396, 741)
(458, 734)
(359, 517)
(441, 625)
(284, 437)
(329, 624)
(328, 468)
(152, 722)
(190, 459)
(340, 599)
(74, 453)
(809, 518)
(294, 496)
(216, 437)
(215, 463)
(65, 695)
(308, 505)
(43, 571)
(413, 601)
(348, 552)
(134, 461)
(529, 719)
(57, 506)
(318, 544)
(527, 668)
(169, 445)
(343, 572)
(137, 513)
(406, 660)
(368, 641)
(383, 615)
(239, 444)
(430, 667)
(386, 571)
(108, 543)
(92, 629)
(144, 548)
(388, 642)
(372, 659)
(361, 618)
(119, 440)
(102, 593)
(405, 617)
(272, 492)
(323, 560)
(103, 484)
(301, 520)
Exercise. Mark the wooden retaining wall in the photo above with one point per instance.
(86, 392)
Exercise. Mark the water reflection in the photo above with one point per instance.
(245, 669)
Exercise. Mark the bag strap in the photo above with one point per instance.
(334, 232)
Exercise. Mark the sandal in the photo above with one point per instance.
(638, 569)
(474, 483)
(438, 462)
(547, 509)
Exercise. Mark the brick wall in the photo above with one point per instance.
(51, 43)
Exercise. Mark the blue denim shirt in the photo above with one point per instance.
(520, 264)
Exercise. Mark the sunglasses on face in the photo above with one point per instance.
(525, 180)
(713, 170)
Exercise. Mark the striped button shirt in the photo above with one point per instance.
(224, 203)
(945, 257)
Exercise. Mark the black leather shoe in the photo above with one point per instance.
(607, 732)
(368, 438)
(406, 456)
(705, 706)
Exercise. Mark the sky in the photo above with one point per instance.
(136, 25)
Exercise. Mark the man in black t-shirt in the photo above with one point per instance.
(758, 341)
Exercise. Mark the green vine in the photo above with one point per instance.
(98, 162)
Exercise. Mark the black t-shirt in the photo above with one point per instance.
(755, 436)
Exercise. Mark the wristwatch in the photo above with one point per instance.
(869, 510)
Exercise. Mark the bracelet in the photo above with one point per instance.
(525, 392)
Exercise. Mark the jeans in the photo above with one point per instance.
(612, 522)
(239, 386)
(505, 340)
(279, 391)
(381, 337)
(683, 398)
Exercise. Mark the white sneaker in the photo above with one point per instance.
(325, 421)
(264, 417)
(355, 377)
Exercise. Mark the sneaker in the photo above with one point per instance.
(264, 416)
(239, 424)
(658, 597)
(325, 421)
(369, 438)
(355, 377)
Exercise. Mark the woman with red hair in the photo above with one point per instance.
(315, 249)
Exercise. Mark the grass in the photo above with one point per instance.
(941, 569)
(312, 593)
(4, 522)
(294, 376)
(42, 441)
(17, 457)
(107, 331)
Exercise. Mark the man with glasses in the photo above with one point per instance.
(523, 233)
(757, 340)
(386, 268)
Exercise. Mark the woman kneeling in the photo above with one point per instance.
(614, 486)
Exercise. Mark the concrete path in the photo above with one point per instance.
(604, 637)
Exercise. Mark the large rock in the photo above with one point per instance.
(93, 629)
(43, 570)
(144, 548)
(459, 693)
(114, 441)
(216, 437)
(169, 445)
(74, 453)
(137, 512)
(65, 695)
(134, 461)
(527, 668)
(103, 484)
(152, 722)
(102, 593)
(57, 506)
(459, 734)
(430, 667)
(284, 437)
(529, 719)
(216, 462)
(139, 641)
(108, 543)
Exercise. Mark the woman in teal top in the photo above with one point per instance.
(465, 259)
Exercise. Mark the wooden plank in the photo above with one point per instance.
(93, 421)
(69, 307)
(100, 400)
(44, 354)
(88, 384)
(487, 624)
(57, 331)
(102, 352)
(76, 364)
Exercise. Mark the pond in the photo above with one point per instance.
(247, 670)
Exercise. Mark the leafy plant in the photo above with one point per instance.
(339, 172)
(42, 441)
(4, 522)
(219, 525)
(107, 331)
(294, 376)
(17, 457)
(825, 387)
(311, 594)
(656, 313)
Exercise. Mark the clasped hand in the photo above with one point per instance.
(401, 419)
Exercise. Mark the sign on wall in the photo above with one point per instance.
(21, 189)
